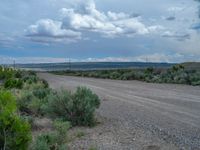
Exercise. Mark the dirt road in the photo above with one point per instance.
(138, 115)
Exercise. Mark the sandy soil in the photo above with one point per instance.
(138, 116)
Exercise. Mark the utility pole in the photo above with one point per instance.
(69, 64)
(14, 64)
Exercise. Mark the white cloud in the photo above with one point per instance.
(24, 60)
(47, 30)
(142, 58)
(6, 41)
(9, 42)
(110, 24)
(191, 46)
(117, 16)
(156, 29)
(176, 35)
(155, 57)
(175, 9)
(86, 17)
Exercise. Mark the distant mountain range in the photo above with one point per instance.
(92, 65)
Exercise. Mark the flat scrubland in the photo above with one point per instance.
(35, 117)
(42, 111)
(187, 73)
(138, 115)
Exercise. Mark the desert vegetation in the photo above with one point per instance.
(24, 98)
(177, 74)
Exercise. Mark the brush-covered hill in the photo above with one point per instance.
(192, 65)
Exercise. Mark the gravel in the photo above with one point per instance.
(138, 116)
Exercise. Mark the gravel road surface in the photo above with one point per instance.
(138, 116)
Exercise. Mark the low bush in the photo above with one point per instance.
(45, 142)
(92, 148)
(45, 83)
(195, 78)
(30, 79)
(128, 76)
(78, 107)
(23, 102)
(62, 128)
(33, 73)
(55, 140)
(18, 74)
(41, 93)
(80, 134)
(31, 102)
(6, 73)
(29, 119)
(48, 142)
(14, 131)
(13, 83)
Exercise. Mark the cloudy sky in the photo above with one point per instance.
(33, 31)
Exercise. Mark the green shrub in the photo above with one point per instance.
(13, 83)
(156, 79)
(18, 74)
(149, 70)
(195, 83)
(41, 93)
(78, 108)
(62, 128)
(48, 142)
(92, 148)
(80, 134)
(30, 79)
(40, 145)
(128, 76)
(2, 75)
(6, 73)
(23, 102)
(177, 68)
(36, 107)
(33, 73)
(45, 83)
(45, 141)
(55, 140)
(29, 119)
(60, 104)
(31, 102)
(195, 78)
(114, 75)
(139, 75)
(14, 131)
(63, 147)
